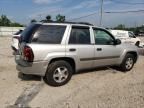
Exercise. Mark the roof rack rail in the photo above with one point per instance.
(85, 23)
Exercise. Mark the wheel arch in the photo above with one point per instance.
(135, 55)
(67, 59)
(137, 43)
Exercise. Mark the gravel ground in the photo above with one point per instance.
(141, 38)
(102, 88)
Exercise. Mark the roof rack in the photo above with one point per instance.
(85, 23)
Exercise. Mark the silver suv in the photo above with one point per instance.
(57, 50)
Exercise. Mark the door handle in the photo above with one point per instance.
(99, 49)
(72, 49)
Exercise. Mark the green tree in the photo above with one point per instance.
(15, 24)
(0, 22)
(4, 21)
(60, 18)
(120, 27)
(48, 18)
(33, 20)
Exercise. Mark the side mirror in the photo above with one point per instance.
(117, 42)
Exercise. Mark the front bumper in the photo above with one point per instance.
(31, 68)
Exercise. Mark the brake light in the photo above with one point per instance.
(28, 54)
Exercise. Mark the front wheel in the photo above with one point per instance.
(58, 73)
(137, 44)
(127, 63)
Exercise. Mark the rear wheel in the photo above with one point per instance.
(58, 73)
(127, 63)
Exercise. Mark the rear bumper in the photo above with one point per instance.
(31, 68)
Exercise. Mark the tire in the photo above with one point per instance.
(58, 73)
(127, 63)
(137, 44)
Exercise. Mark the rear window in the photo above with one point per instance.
(49, 34)
(28, 32)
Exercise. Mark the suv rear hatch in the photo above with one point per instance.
(27, 34)
(38, 40)
(25, 52)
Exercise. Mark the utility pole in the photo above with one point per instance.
(101, 14)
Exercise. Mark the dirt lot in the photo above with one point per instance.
(142, 39)
(102, 88)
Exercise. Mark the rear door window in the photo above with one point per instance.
(49, 34)
(80, 35)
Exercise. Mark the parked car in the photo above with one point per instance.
(15, 40)
(141, 34)
(58, 50)
(126, 37)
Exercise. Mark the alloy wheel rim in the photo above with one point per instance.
(129, 63)
(60, 74)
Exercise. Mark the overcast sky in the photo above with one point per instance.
(24, 10)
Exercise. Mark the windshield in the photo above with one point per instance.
(131, 34)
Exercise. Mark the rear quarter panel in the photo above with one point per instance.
(46, 52)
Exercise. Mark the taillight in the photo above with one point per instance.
(28, 54)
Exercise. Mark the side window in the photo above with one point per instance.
(49, 34)
(102, 37)
(131, 35)
(79, 36)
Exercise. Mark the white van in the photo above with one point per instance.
(126, 37)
